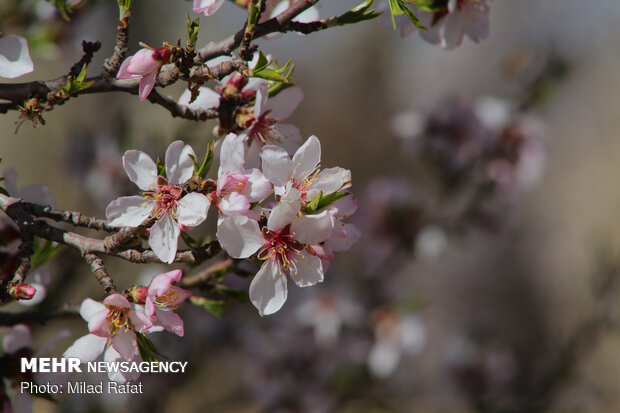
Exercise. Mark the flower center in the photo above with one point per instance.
(305, 185)
(262, 130)
(165, 197)
(231, 183)
(282, 247)
(118, 319)
(167, 301)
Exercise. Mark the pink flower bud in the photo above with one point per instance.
(22, 291)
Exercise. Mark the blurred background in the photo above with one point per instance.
(489, 205)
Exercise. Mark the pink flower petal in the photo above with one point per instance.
(268, 289)
(312, 229)
(147, 83)
(15, 60)
(90, 307)
(277, 165)
(239, 236)
(16, 338)
(164, 237)
(170, 321)
(308, 270)
(284, 103)
(306, 159)
(117, 300)
(128, 211)
(193, 209)
(125, 343)
(87, 348)
(179, 165)
(140, 169)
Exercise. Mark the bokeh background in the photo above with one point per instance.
(489, 206)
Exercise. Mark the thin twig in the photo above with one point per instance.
(38, 316)
(98, 268)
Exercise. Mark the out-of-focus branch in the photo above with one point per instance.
(71, 217)
(38, 316)
(113, 63)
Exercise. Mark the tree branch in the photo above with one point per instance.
(38, 316)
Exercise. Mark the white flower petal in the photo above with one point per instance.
(140, 169)
(125, 343)
(277, 165)
(287, 135)
(308, 270)
(193, 209)
(16, 338)
(239, 236)
(258, 187)
(307, 158)
(179, 166)
(312, 229)
(284, 213)
(163, 238)
(232, 154)
(332, 180)
(87, 348)
(15, 60)
(284, 103)
(235, 203)
(128, 211)
(268, 289)
(90, 307)
(261, 100)
(206, 99)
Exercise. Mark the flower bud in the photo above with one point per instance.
(138, 294)
(22, 291)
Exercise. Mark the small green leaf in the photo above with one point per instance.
(147, 348)
(414, 19)
(314, 204)
(161, 168)
(203, 169)
(215, 307)
(44, 253)
(193, 26)
(76, 85)
(330, 199)
(358, 14)
(254, 12)
(399, 8)
(64, 9)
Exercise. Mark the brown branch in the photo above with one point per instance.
(13, 207)
(98, 268)
(71, 217)
(89, 49)
(204, 276)
(113, 63)
(38, 316)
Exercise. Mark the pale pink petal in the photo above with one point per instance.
(125, 343)
(149, 306)
(476, 16)
(277, 165)
(117, 300)
(284, 103)
(87, 348)
(15, 60)
(128, 211)
(232, 154)
(284, 213)
(180, 296)
(140, 169)
(239, 236)
(261, 100)
(452, 31)
(112, 356)
(161, 283)
(308, 270)
(345, 206)
(164, 237)
(258, 187)
(206, 99)
(192, 209)
(306, 159)
(235, 203)
(141, 322)
(345, 243)
(97, 324)
(207, 7)
(16, 338)
(142, 63)
(123, 73)
(147, 83)
(268, 289)
(312, 229)
(332, 180)
(90, 307)
(179, 165)
(287, 135)
(170, 321)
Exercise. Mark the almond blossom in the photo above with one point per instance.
(263, 122)
(15, 58)
(207, 7)
(275, 7)
(237, 187)
(302, 172)
(162, 198)
(144, 65)
(282, 245)
(162, 298)
(112, 327)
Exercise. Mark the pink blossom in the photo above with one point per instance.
(237, 187)
(112, 326)
(15, 59)
(282, 245)
(161, 198)
(163, 297)
(207, 7)
(145, 65)
(275, 7)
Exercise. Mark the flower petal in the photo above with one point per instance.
(277, 165)
(192, 209)
(258, 186)
(312, 229)
(15, 60)
(16, 338)
(206, 99)
(331, 180)
(232, 154)
(239, 236)
(170, 321)
(268, 289)
(90, 307)
(179, 165)
(284, 103)
(147, 83)
(141, 322)
(285, 212)
(309, 270)
(164, 237)
(235, 203)
(140, 169)
(97, 324)
(117, 300)
(123, 73)
(306, 159)
(86, 348)
(125, 343)
(128, 211)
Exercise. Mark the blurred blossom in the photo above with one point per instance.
(395, 335)
(431, 242)
(327, 315)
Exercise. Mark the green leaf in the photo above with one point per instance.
(321, 201)
(191, 242)
(76, 85)
(399, 8)
(203, 169)
(254, 12)
(360, 13)
(233, 293)
(414, 19)
(275, 73)
(314, 204)
(193, 26)
(44, 253)
(431, 6)
(64, 9)
(161, 168)
(215, 307)
(147, 348)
